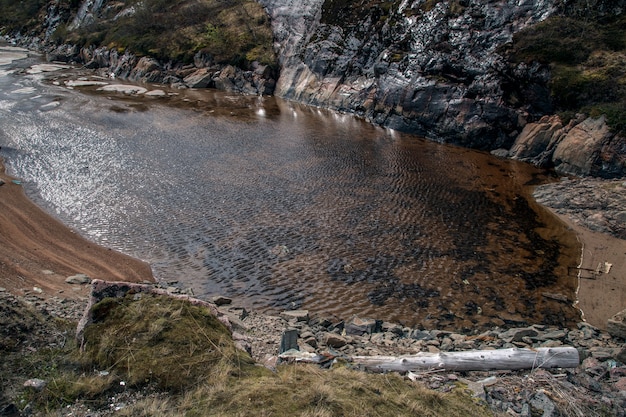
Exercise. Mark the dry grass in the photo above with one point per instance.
(309, 391)
(187, 360)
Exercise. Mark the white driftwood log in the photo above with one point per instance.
(475, 360)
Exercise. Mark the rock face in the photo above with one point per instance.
(584, 148)
(431, 69)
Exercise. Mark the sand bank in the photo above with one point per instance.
(602, 271)
(36, 250)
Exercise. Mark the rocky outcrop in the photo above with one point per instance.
(583, 147)
(202, 74)
(429, 68)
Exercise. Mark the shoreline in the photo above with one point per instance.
(593, 209)
(38, 252)
(595, 283)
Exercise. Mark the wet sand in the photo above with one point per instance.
(36, 250)
(602, 271)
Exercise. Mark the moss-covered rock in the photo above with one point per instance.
(149, 338)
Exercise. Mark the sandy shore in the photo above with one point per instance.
(595, 209)
(36, 250)
(602, 271)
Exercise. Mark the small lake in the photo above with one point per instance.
(285, 206)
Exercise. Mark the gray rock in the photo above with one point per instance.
(221, 300)
(78, 279)
(359, 327)
(616, 325)
(620, 355)
(517, 334)
(541, 401)
(202, 78)
(297, 315)
(421, 335)
(36, 384)
(334, 340)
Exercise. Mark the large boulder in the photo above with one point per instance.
(585, 150)
(147, 70)
(202, 78)
(537, 141)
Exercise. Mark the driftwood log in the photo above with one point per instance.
(475, 360)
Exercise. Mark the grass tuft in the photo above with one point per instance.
(160, 340)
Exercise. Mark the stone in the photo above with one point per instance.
(334, 340)
(620, 384)
(620, 355)
(220, 300)
(551, 335)
(578, 152)
(202, 78)
(297, 315)
(517, 334)
(540, 401)
(537, 140)
(78, 279)
(601, 353)
(616, 325)
(393, 328)
(359, 327)
(35, 383)
(421, 335)
(289, 341)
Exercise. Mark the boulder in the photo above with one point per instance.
(616, 325)
(202, 78)
(579, 151)
(359, 327)
(537, 141)
(146, 70)
(334, 340)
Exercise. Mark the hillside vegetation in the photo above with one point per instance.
(231, 32)
(583, 43)
(585, 47)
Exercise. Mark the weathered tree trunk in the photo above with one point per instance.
(475, 360)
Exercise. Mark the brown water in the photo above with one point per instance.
(285, 206)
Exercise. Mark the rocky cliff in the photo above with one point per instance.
(468, 72)
(434, 68)
(427, 67)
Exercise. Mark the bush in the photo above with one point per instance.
(587, 57)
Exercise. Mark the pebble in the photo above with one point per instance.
(35, 383)
(78, 279)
